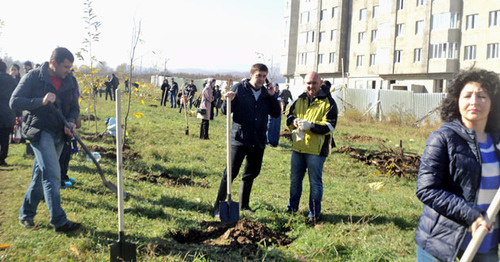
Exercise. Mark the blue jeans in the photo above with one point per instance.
(45, 180)
(314, 165)
(490, 256)
(173, 100)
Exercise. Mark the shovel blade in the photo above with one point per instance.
(123, 251)
(229, 212)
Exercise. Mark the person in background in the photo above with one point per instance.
(217, 99)
(312, 119)
(15, 72)
(164, 92)
(173, 94)
(251, 104)
(459, 171)
(50, 85)
(115, 82)
(274, 123)
(109, 88)
(190, 92)
(7, 117)
(27, 66)
(285, 97)
(206, 102)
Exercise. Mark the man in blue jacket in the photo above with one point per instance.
(50, 84)
(251, 105)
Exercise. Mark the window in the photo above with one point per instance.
(372, 59)
(361, 37)
(471, 22)
(492, 51)
(320, 59)
(304, 17)
(362, 14)
(400, 30)
(334, 11)
(420, 2)
(443, 51)
(419, 27)
(331, 60)
(401, 4)
(444, 21)
(375, 11)
(417, 55)
(374, 35)
(322, 36)
(359, 60)
(470, 52)
(494, 18)
(333, 36)
(397, 56)
(322, 14)
(310, 37)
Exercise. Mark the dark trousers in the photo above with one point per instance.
(164, 95)
(4, 142)
(108, 91)
(251, 171)
(204, 129)
(64, 161)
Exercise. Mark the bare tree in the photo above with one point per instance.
(92, 27)
(136, 38)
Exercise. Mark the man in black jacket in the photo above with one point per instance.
(7, 117)
(50, 84)
(173, 94)
(251, 105)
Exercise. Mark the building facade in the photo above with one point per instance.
(414, 45)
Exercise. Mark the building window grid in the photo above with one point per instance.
(320, 59)
(397, 56)
(471, 22)
(419, 27)
(373, 35)
(494, 19)
(444, 21)
(359, 60)
(443, 51)
(420, 2)
(375, 11)
(373, 60)
(322, 14)
(400, 30)
(362, 14)
(322, 36)
(331, 59)
(492, 52)
(361, 37)
(334, 11)
(417, 55)
(470, 52)
(333, 35)
(401, 4)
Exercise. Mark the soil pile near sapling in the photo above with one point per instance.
(89, 118)
(392, 162)
(286, 134)
(127, 154)
(362, 139)
(243, 233)
(165, 178)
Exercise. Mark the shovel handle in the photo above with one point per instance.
(119, 160)
(228, 143)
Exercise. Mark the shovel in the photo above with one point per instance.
(121, 250)
(106, 183)
(229, 211)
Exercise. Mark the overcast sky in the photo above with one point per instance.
(201, 34)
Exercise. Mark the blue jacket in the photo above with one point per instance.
(447, 184)
(7, 86)
(250, 116)
(28, 96)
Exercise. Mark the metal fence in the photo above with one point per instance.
(382, 104)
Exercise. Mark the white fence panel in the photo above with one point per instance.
(400, 102)
(425, 104)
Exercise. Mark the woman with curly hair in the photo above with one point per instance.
(459, 172)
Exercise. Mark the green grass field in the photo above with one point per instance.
(172, 180)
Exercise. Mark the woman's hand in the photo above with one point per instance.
(480, 221)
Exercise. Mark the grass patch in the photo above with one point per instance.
(174, 180)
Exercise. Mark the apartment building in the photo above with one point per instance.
(415, 45)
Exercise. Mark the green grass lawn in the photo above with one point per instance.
(172, 180)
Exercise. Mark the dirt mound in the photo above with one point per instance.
(239, 234)
(392, 162)
(362, 139)
(286, 134)
(89, 118)
(111, 153)
(165, 178)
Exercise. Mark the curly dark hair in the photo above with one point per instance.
(488, 80)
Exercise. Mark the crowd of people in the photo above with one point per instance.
(458, 176)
